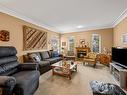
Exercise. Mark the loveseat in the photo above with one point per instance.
(44, 59)
(16, 78)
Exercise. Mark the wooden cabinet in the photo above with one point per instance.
(104, 58)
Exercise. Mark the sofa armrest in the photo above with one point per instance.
(29, 66)
(7, 84)
(61, 55)
(7, 81)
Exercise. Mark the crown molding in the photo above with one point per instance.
(120, 18)
(90, 28)
(10, 12)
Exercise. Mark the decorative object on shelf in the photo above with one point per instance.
(34, 39)
(87, 44)
(106, 51)
(64, 63)
(82, 43)
(4, 35)
(124, 38)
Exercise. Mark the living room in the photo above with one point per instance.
(51, 38)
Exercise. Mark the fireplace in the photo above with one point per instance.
(81, 52)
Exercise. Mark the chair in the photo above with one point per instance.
(70, 55)
(16, 78)
(104, 59)
(91, 58)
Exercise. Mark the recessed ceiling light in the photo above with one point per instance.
(80, 26)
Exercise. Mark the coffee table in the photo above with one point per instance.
(70, 57)
(58, 69)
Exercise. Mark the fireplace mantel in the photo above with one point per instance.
(81, 52)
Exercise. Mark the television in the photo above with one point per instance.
(119, 56)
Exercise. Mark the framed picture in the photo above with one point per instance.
(34, 39)
(4, 35)
(63, 43)
(124, 38)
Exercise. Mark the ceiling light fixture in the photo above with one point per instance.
(80, 26)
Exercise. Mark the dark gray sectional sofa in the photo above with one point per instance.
(44, 59)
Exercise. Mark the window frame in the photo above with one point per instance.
(69, 43)
(93, 35)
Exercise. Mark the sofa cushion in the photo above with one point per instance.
(50, 53)
(1, 70)
(44, 66)
(6, 51)
(58, 58)
(55, 54)
(9, 66)
(25, 81)
(5, 60)
(44, 63)
(45, 55)
(10, 72)
(52, 60)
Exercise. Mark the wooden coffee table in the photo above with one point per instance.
(70, 57)
(58, 69)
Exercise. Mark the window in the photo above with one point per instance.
(71, 44)
(96, 43)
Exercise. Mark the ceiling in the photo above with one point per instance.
(66, 15)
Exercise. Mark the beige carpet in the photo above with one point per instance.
(79, 85)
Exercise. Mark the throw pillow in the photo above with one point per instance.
(45, 55)
(50, 53)
(34, 57)
(55, 54)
